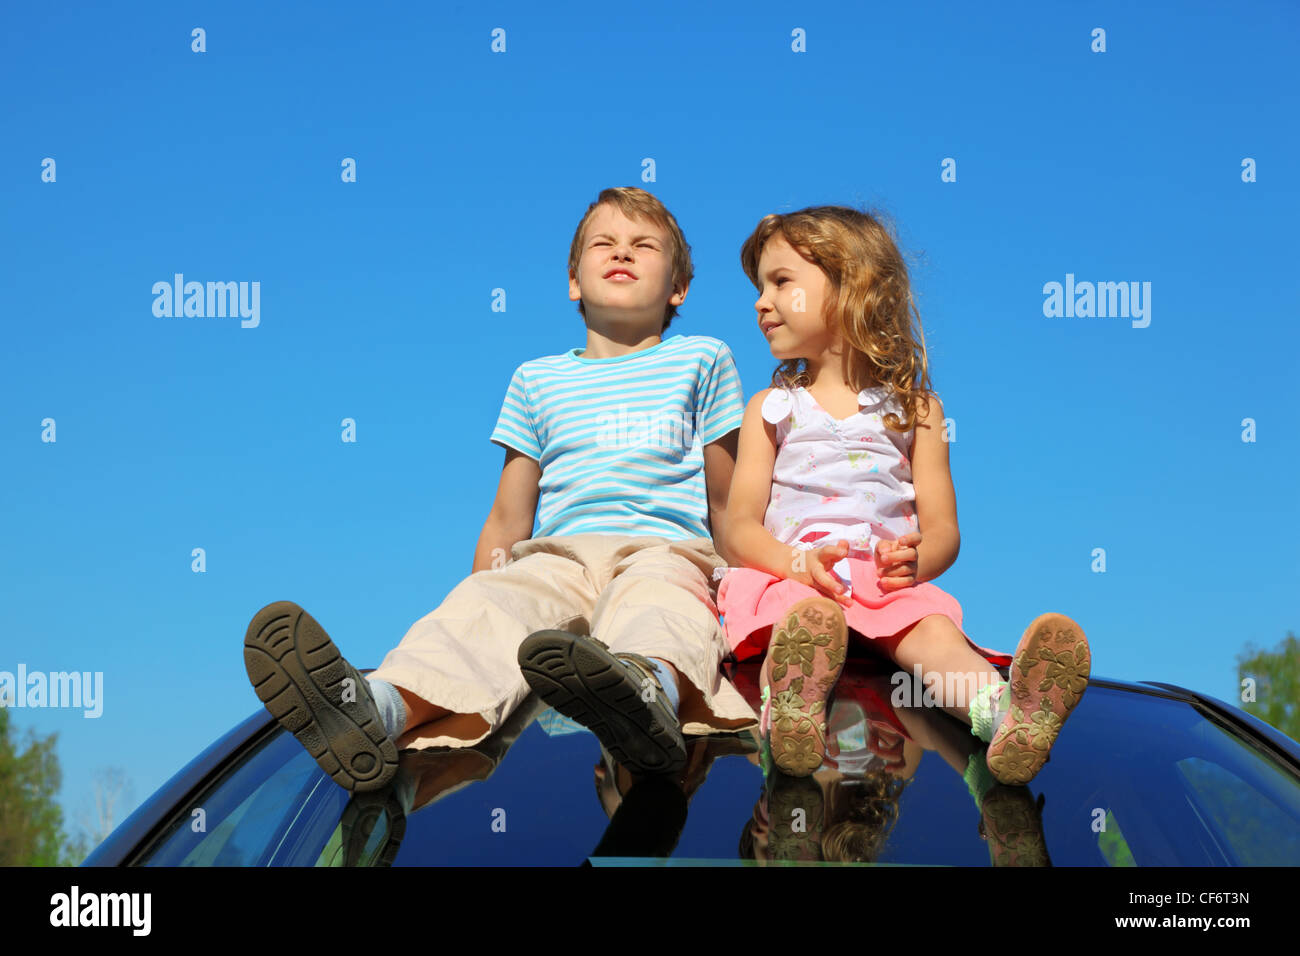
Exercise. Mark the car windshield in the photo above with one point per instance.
(1134, 779)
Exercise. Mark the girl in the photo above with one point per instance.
(842, 490)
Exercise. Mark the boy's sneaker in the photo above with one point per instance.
(385, 810)
(318, 696)
(607, 694)
(648, 822)
(1048, 676)
(805, 658)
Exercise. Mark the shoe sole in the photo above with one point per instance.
(795, 811)
(1048, 676)
(587, 684)
(359, 819)
(648, 822)
(797, 747)
(1013, 826)
(298, 674)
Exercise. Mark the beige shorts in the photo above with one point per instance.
(644, 595)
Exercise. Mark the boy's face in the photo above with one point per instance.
(625, 272)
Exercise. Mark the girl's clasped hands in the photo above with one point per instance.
(896, 564)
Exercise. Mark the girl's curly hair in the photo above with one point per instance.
(870, 302)
(862, 814)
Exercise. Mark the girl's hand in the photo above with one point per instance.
(815, 570)
(885, 742)
(896, 561)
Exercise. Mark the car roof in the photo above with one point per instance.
(541, 793)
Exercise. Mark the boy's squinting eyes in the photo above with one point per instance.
(605, 240)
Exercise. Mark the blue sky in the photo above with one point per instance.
(473, 169)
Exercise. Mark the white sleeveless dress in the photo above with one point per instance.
(834, 480)
(847, 479)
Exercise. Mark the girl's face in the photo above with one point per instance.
(792, 296)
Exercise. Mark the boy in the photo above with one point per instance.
(619, 576)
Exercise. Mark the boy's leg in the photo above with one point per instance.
(460, 658)
(458, 664)
(316, 695)
(658, 604)
(659, 617)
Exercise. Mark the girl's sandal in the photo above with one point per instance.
(804, 660)
(796, 809)
(1048, 676)
(1012, 823)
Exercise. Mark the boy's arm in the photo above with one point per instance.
(718, 414)
(719, 466)
(513, 511)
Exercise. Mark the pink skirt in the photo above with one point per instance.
(751, 601)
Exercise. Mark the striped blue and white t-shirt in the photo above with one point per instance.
(620, 440)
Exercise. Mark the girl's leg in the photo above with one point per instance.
(803, 662)
(930, 643)
(952, 743)
(946, 660)
(1048, 673)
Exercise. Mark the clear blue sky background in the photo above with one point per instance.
(473, 171)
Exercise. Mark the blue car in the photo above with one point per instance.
(1142, 775)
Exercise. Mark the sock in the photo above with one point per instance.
(988, 709)
(1004, 706)
(392, 709)
(670, 685)
(977, 776)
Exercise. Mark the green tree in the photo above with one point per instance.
(1276, 676)
(31, 821)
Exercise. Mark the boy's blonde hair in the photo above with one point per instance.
(870, 302)
(638, 204)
